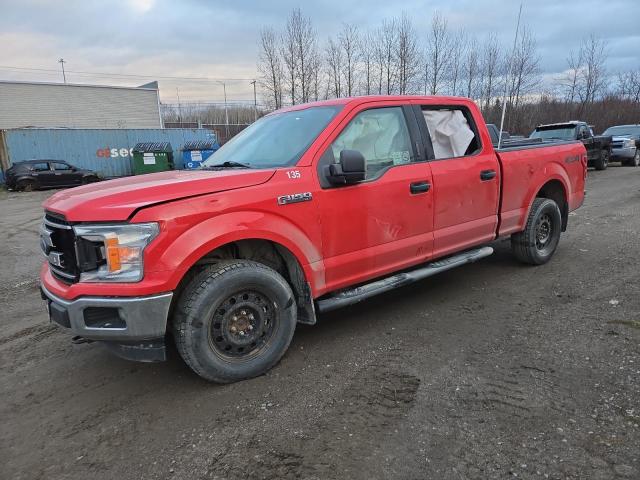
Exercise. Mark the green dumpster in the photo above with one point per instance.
(152, 157)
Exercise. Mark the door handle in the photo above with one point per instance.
(487, 175)
(419, 187)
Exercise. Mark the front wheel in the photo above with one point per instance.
(235, 320)
(537, 243)
(603, 162)
(635, 161)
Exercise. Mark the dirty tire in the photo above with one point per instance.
(234, 320)
(635, 161)
(26, 185)
(603, 162)
(536, 244)
(88, 180)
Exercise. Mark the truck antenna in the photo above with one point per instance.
(506, 82)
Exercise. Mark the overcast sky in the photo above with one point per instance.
(200, 38)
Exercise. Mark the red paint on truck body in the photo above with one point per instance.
(345, 235)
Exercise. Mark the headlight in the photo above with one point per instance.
(629, 142)
(121, 249)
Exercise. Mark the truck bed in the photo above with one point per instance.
(527, 167)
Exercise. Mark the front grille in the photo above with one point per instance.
(58, 243)
(616, 144)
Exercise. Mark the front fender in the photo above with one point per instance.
(194, 243)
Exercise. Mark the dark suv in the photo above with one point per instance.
(34, 174)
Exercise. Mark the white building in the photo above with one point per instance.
(65, 105)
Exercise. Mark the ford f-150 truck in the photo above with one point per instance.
(311, 208)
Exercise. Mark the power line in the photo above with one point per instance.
(110, 74)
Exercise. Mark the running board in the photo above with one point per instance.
(355, 295)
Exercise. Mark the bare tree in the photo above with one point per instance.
(334, 63)
(569, 80)
(524, 70)
(629, 85)
(368, 57)
(489, 70)
(349, 39)
(306, 50)
(407, 55)
(459, 45)
(270, 67)
(471, 69)
(387, 49)
(289, 53)
(592, 80)
(438, 51)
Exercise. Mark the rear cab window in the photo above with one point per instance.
(452, 131)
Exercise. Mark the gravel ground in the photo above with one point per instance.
(493, 370)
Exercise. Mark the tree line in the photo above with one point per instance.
(296, 66)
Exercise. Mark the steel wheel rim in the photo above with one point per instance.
(242, 325)
(544, 232)
(636, 158)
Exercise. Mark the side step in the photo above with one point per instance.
(357, 294)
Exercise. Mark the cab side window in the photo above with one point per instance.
(452, 133)
(381, 135)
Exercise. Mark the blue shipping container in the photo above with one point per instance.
(106, 151)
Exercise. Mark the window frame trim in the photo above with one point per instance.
(422, 122)
(414, 138)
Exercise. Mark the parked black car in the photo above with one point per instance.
(35, 174)
(598, 146)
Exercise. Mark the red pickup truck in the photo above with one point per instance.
(311, 208)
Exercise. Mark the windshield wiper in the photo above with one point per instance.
(227, 164)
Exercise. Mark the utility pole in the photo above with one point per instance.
(226, 110)
(255, 102)
(179, 108)
(62, 62)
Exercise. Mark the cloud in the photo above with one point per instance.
(197, 38)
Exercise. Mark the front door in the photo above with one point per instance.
(65, 175)
(383, 223)
(466, 178)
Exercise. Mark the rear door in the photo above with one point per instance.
(383, 223)
(466, 177)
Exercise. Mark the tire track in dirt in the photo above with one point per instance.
(377, 400)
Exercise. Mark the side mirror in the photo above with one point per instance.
(351, 168)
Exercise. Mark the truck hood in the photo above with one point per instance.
(117, 200)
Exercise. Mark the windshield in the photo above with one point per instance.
(631, 131)
(276, 140)
(561, 133)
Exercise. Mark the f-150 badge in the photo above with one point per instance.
(295, 198)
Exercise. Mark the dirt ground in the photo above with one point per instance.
(493, 370)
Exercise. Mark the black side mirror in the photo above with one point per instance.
(351, 168)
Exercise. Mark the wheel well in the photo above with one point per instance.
(270, 254)
(554, 190)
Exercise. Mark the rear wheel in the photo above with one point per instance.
(234, 320)
(26, 185)
(603, 162)
(537, 243)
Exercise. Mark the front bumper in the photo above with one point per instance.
(112, 319)
(625, 153)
